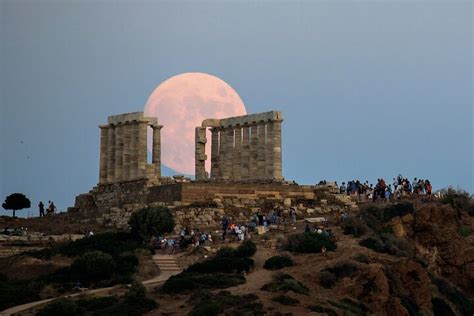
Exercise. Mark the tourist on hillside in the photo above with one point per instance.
(342, 188)
(41, 209)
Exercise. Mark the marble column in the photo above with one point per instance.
(104, 141)
(156, 153)
(229, 154)
(261, 155)
(237, 154)
(141, 149)
(269, 151)
(127, 138)
(245, 155)
(214, 153)
(253, 169)
(222, 152)
(133, 150)
(111, 154)
(200, 153)
(277, 152)
(118, 151)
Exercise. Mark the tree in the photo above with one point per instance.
(15, 202)
(151, 221)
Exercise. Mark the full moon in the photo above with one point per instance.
(181, 103)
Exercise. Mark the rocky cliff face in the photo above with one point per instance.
(435, 231)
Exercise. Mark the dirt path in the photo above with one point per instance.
(101, 292)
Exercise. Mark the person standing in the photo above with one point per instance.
(41, 208)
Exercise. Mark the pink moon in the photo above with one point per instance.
(181, 103)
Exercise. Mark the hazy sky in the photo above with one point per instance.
(368, 89)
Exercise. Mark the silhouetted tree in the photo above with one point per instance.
(15, 202)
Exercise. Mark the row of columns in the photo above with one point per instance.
(247, 152)
(123, 151)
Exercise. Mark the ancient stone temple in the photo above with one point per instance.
(243, 148)
(123, 149)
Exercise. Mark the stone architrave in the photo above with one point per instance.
(156, 154)
(104, 141)
(237, 154)
(200, 153)
(111, 155)
(245, 153)
(214, 153)
(253, 170)
(118, 151)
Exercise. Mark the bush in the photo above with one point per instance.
(151, 221)
(387, 243)
(60, 307)
(224, 302)
(327, 279)
(111, 243)
(354, 226)
(246, 249)
(375, 217)
(93, 266)
(362, 258)
(278, 262)
(464, 231)
(283, 283)
(187, 281)
(343, 269)
(322, 310)
(441, 308)
(309, 243)
(464, 304)
(355, 308)
(285, 300)
(457, 198)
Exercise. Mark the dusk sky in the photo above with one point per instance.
(368, 89)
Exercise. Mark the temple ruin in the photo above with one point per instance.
(243, 148)
(123, 149)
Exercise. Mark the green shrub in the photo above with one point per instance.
(457, 198)
(464, 231)
(93, 266)
(441, 308)
(278, 262)
(285, 300)
(207, 303)
(354, 226)
(206, 309)
(387, 243)
(187, 281)
(228, 260)
(96, 303)
(327, 279)
(464, 304)
(17, 292)
(309, 243)
(343, 269)
(362, 258)
(283, 282)
(151, 221)
(60, 307)
(375, 217)
(322, 310)
(349, 305)
(246, 249)
(111, 243)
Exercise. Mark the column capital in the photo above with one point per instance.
(153, 126)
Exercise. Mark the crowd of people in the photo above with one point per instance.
(186, 237)
(382, 190)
